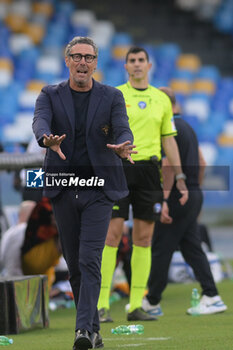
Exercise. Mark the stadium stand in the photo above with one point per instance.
(33, 35)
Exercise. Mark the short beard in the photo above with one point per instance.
(80, 83)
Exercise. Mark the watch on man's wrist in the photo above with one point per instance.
(181, 176)
(165, 200)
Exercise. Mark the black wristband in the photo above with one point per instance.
(165, 200)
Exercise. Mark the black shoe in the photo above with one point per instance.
(140, 315)
(104, 316)
(82, 340)
(97, 340)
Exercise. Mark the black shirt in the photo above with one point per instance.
(80, 161)
(188, 147)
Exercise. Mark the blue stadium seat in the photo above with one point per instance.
(9, 101)
(223, 20)
(180, 98)
(207, 133)
(209, 72)
(197, 104)
(225, 156)
(65, 8)
(158, 82)
(194, 122)
(105, 57)
(114, 77)
(183, 74)
(25, 64)
(207, 114)
(168, 52)
(122, 38)
(164, 71)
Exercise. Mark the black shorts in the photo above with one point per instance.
(145, 192)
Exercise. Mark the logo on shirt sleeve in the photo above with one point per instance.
(173, 124)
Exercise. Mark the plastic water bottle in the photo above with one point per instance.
(195, 301)
(130, 329)
(136, 328)
(5, 341)
(114, 297)
(62, 303)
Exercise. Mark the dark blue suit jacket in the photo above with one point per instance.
(107, 122)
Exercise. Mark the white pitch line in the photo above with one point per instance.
(130, 345)
(136, 338)
(161, 338)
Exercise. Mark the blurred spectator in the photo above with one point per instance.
(41, 249)
(12, 240)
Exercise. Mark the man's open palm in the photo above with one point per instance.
(54, 143)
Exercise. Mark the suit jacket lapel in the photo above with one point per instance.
(66, 97)
(95, 98)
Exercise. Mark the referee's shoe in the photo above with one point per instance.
(104, 316)
(140, 315)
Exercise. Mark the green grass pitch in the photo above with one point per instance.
(174, 331)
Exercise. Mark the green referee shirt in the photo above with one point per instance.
(150, 118)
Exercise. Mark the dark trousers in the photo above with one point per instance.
(182, 234)
(82, 224)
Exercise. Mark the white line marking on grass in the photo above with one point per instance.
(161, 338)
(136, 338)
(130, 345)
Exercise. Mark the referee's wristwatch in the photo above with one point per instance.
(181, 176)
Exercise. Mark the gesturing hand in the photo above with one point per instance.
(124, 150)
(54, 143)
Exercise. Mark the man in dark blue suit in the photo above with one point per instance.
(85, 128)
